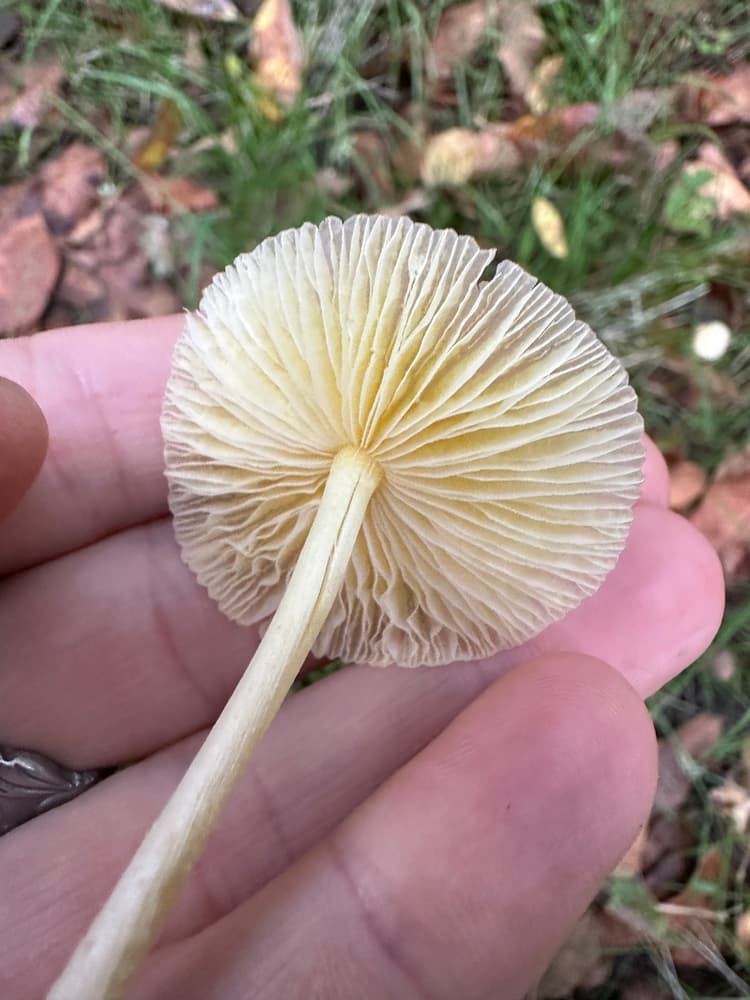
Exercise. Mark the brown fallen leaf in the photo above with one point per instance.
(695, 738)
(463, 27)
(459, 34)
(176, 195)
(580, 963)
(724, 186)
(29, 266)
(276, 49)
(151, 154)
(549, 227)
(70, 183)
(459, 155)
(687, 481)
(631, 863)
(549, 134)
(206, 10)
(742, 930)
(523, 39)
(666, 853)
(24, 102)
(718, 100)
(691, 915)
(107, 274)
(724, 518)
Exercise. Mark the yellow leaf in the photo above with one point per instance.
(549, 227)
(152, 154)
(459, 155)
(276, 49)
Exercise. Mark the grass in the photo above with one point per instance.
(640, 280)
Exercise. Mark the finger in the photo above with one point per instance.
(463, 873)
(294, 794)
(23, 443)
(100, 387)
(151, 637)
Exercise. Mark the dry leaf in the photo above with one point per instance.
(691, 914)
(724, 518)
(276, 49)
(631, 862)
(742, 929)
(459, 33)
(718, 100)
(523, 39)
(687, 481)
(549, 134)
(151, 154)
(24, 104)
(463, 27)
(70, 183)
(29, 266)
(176, 195)
(724, 186)
(206, 10)
(694, 738)
(581, 962)
(538, 92)
(666, 854)
(549, 227)
(459, 155)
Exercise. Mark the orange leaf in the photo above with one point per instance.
(276, 49)
(175, 195)
(724, 518)
(687, 481)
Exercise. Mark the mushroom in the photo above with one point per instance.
(392, 458)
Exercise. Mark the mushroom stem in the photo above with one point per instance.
(127, 924)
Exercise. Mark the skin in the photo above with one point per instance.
(400, 833)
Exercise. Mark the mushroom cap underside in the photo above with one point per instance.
(507, 435)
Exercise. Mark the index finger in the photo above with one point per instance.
(100, 387)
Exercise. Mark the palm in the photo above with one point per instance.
(375, 847)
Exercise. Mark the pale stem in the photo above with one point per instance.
(130, 919)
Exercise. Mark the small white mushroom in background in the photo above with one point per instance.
(401, 462)
(711, 340)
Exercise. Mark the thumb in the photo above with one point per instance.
(23, 443)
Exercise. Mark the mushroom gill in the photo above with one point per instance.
(506, 433)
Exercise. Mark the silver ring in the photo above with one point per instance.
(31, 784)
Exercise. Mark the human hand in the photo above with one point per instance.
(399, 833)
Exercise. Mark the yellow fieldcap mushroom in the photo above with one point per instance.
(400, 461)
